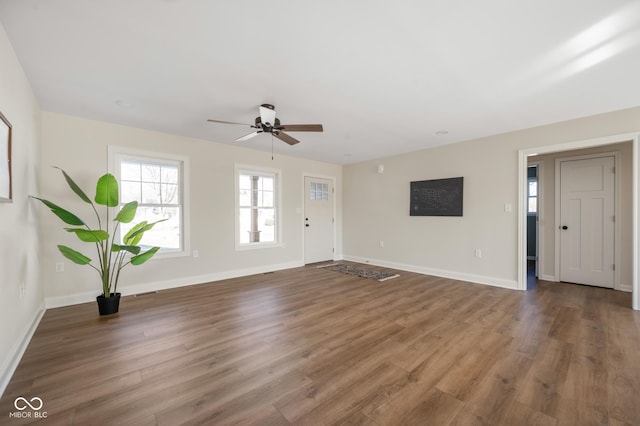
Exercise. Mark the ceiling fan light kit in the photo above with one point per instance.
(267, 122)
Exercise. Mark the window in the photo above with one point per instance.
(257, 208)
(157, 184)
(318, 191)
(532, 196)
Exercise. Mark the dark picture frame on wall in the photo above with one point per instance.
(6, 183)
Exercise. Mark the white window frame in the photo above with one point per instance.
(277, 203)
(117, 153)
(529, 196)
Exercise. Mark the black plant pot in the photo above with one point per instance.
(108, 305)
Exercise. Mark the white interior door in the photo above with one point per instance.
(587, 209)
(318, 220)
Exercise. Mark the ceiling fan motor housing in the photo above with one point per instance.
(265, 126)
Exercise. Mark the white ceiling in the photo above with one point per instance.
(382, 77)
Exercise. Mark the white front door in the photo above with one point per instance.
(318, 220)
(587, 209)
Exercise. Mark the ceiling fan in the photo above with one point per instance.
(268, 123)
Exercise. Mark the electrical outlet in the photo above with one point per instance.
(59, 266)
(196, 253)
(478, 252)
(381, 244)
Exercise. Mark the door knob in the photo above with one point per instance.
(306, 224)
(565, 227)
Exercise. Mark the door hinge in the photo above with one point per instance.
(614, 218)
(614, 266)
(333, 220)
(613, 170)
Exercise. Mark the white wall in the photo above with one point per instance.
(376, 206)
(22, 302)
(80, 147)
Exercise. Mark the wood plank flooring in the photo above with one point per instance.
(310, 346)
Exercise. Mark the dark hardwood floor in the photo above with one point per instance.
(314, 346)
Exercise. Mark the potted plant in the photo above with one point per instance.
(112, 256)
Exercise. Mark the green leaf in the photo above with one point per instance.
(79, 192)
(143, 257)
(65, 215)
(127, 213)
(135, 234)
(107, 191)
(89, 236)
(130, 249)
(74, 256)
(132, 237)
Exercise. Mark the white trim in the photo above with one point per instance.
(625, 287)
(616, 210)
(17, 351)
(268, 172)
(127, 290)
(476, 279)
(636, 218)
(523, 154)
(113, 151)
(304, 201)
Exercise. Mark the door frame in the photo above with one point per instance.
(616, 211)
(304, 201)
(524, 154)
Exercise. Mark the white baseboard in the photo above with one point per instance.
(625, 287)
(74, 299)
(547, 278)
(15, 355)
(461, 276)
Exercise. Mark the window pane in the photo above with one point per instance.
(267, 199)
(129, 191)
(170, 193)
(245, 197)
(169, 174)
(150, 193)
(130, 170)
(245, 182)
(533, 189)
(245, 224)
(266, 225)
(533, 205)
(150, 173)
(158, 182)
(267, 183)
(256, 198)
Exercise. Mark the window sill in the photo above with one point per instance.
(257, 246)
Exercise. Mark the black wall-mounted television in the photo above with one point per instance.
(437, 197)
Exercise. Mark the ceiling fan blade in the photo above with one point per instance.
(229, 122)
(286, 138)
(268, 114)
(249, 136)
(301, 127)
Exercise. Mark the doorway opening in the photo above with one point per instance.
(533, 202)
(631, 208)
